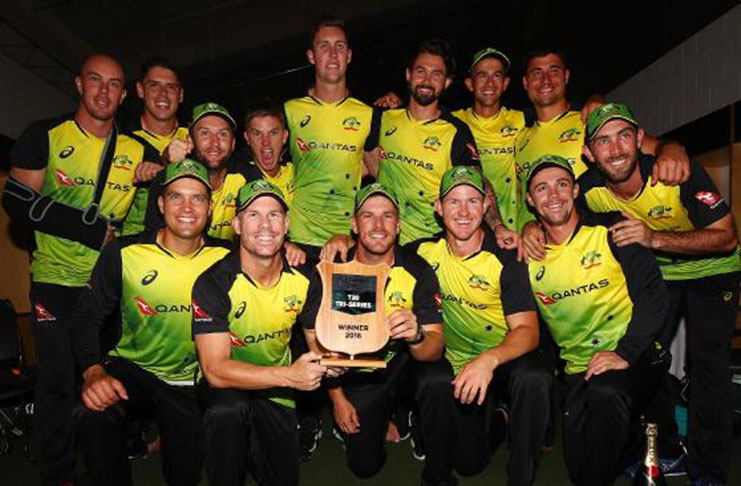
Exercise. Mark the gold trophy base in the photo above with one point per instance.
(348, 361)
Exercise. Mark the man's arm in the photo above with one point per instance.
(427, 342)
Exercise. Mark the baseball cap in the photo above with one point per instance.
(461, 175)
(206, 109)
(548, 161)
(605, 113)
(374, 189)
(186, 168)
(257, 188)
(489, 52)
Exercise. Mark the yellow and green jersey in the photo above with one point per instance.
(414, 156)
(71, 157)
(563, 135)
(686, 207)
(478, 292)
(597, 297)
(258, 319)
(152, 288)
(495, 139)
(327, 142)
(134, 222)
(412, 284)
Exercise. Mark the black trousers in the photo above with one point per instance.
(102, 435)
(245, 431)
(55, 386)
(457, 436)
(374, 395)
(598, 414)
(709, 306)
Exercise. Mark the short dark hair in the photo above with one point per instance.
(265, 107)
(327, 21)
(157, 61)
(541, 52)
(436, 47)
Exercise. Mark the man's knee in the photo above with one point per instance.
(532, 376)
(226, 408)
(433, 379)
(365, 463)
(90, 422)
(603, 395)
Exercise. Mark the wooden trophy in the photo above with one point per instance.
(352, 318)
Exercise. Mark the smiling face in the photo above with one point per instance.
(377, 224)
(614, 150)
(551, 193)
(545, 80)
(488, 81)
(185, 205)
(462, 210)
(262, 227)
(266, 137)
(427, 78)
(101, 87)
(214, 141)
(330, 54)
(161, 92)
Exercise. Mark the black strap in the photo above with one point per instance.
(104, 168)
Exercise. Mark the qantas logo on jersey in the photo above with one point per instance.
(710, 199)
(409, 160)
(508, 131)
(570, 135)
(235, 341)
(118, 187)
(144, 307)
(312, 145)
(266, 336)
(351, 123)
(293, 304)
(591, 259)
(464, 302)
(63, 178)
(66, 152)
(660, 212)
(122, 162)
(554, 297)
(496, 150)
(305, 121)
(43, 315)
(199, 315)
(390, 131)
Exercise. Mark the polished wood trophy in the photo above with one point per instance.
(352, 319)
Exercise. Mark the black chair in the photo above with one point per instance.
(16, 381)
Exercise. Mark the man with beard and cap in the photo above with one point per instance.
(72, 178)
(603, 302)
(147, 280)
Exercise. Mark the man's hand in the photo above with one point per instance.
(594, 102)
(345, 415)
(294, 254)
(474, 379)
(306, 373)
(532, 243)
(101, 390)
(605, 361)
(672, 165)
(177, 150)
(337, 244)
(146, 171)
(389, 100)
(402, 324)
(632, 230)
(506, 238)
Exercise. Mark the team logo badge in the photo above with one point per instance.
(305, 121)
(66, 152)
(591, 259)
(390, 131)
(351, 123)
(539, 275)
(508, 131)
(478, 282)
(432, 143)
(660, 212)
(144, 307)
(710, 199)
(63, 178)
(234, 340)
(199, 315)
(240, 310)
(43, 315)
(122, 162)
(570, 135)
(396, 299)
(544, 299)
(230, 201)
(149, 277)
(293, 304)
(302, 145)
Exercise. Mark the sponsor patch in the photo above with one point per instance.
(710, 199)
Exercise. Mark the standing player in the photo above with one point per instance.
(491, 332)
(160, 90)
(329, 133)
(148, 278)
(244, 308)
(71, 179)
(603, 303)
